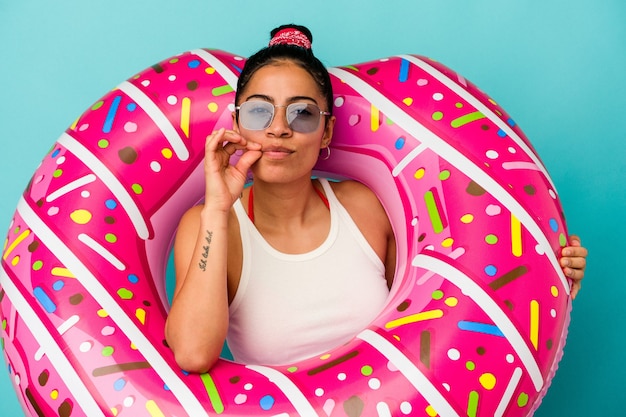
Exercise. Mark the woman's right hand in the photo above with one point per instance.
(224, 181)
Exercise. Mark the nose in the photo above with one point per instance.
(280, 126)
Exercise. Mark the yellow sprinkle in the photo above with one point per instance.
(80, 216)
(451, 301)
(487, 380)
(516, 236)
(54, 394)
(447, 242)
(154, 409)
(16, 242)
(419, 174)
(213, 107)
(408, 101)
(15, 260)
(114, 411)
(467, 218)
(413, 318)
(210, 70)
(431, 411)
(375, 118)
(167, 153)
(325, 356)
(62, 272)
(185, 115)
(534, 323)
(133, 346)
(555, 291)
(141, 315)
(102, 313)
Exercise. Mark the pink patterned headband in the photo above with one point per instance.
(291, 36)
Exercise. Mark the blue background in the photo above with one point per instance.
(557, 66)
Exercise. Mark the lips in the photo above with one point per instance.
(277, 151)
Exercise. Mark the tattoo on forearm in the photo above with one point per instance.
(205, 250)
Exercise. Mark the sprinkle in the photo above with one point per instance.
(211, 390)
(414, 318)
(108, 122)
(45, 300)
(185, 115)
(534, 323)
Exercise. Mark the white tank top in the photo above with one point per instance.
(293, 307)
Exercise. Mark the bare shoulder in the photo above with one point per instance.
(361, 202)
(353, 193)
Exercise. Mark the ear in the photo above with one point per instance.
(327, 137)
(235, 124)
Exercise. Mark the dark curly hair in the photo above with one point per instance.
(300, 56)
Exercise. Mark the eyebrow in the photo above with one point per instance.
(289, 100)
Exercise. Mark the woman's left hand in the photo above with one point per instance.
(573, 262)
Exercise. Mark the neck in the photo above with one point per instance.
(282, 205)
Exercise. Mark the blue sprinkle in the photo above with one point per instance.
(501, 133)
(554, 225)
(133, 278)
(491, 270)
(58, 285)
(131, 106)
(511, 122)
(194, 64)
(119, 384)
(404, 71)
(44, 300)
(472, 326)
(400, 143)
(236, 68)
(110, 204)
(108, 121)
(267, 402)
(55, 153)
(165, 387)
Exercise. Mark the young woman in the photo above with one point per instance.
(273, 267)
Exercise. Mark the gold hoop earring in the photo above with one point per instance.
(327, 153)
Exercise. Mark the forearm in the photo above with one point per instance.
(198, 320)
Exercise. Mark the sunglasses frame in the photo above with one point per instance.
(274, 106)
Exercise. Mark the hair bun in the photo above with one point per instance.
(291, 36)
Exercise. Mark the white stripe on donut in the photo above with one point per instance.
(296, 397)
(404, 365)
(64, 327)
(111, 182)
(463, 93)
(52, 350)
(69, 187)
(184, 395)
(223, 70)
(408, 158)
(457, 159)
(511, 386)
(489, 306)
(157, 116)
(88, 241)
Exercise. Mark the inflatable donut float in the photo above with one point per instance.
(475, 322)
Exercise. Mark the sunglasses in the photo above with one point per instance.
(258, 115)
